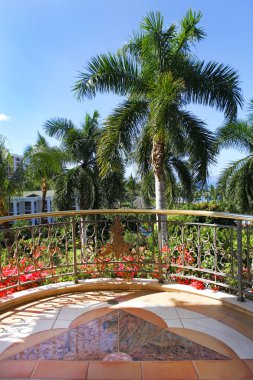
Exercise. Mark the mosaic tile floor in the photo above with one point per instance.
(167, 336)
(117, 331)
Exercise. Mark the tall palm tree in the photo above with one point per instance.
(43, 163)
(236, 181)
(159, 75)
(82, 179)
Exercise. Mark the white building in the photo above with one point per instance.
(30, 202)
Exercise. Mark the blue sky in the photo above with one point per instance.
(44, 43)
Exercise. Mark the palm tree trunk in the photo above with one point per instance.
(44, 189)
(3, 211)
(158, 156)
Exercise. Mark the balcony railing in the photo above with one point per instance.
(201, 248)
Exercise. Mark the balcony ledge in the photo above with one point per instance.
(44, 291)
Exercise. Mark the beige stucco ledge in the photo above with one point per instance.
(44, 291)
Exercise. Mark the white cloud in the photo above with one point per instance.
(4, 117)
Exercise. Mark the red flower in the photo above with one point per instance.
(197, 284)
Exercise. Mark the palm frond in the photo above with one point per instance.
(214, 85)
(153, 22)
(200, 143)
(58, 127)
(113, 189)
(250, 111)
(148, 188)
(170, 184)
(142, 153)
(74, 183)
(184, 175)
(236, 183)
(120, 129)
(134, 46)
(116, 73)
(238, 135)
(189, 31)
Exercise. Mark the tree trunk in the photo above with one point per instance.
(3, 210)
(44, 189)
(158, 156)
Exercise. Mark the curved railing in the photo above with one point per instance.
(199, 248)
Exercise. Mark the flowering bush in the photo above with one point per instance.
(181, 256)
(30, 269)
(197, 284)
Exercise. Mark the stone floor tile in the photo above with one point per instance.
(184, 313)
(60, 369)
(115, 371)
(222, 370)
(240, 325)
(181, 370)
(61, 324)
(38, 325)
(165, 312)
(212, 311)
(68, 313)
(174, 322)
(71, 312)
(18, 369)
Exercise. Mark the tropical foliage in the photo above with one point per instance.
(11, 182)
(81, 180)
(236, 181)
(42, 164)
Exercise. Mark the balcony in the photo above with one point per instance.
(126, 277)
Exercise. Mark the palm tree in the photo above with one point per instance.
(133, 188)
(236, 181)
(43, 163)
(82, 179)
(160, 76)
(11, 182)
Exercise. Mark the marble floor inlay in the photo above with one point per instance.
(116, 331)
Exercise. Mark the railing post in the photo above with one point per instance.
(239, 255)
(74, 248)
(160, 244)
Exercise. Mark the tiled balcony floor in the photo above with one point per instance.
(192, 320)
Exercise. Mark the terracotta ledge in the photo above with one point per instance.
(44, 291)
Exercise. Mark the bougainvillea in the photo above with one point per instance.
(29, 269)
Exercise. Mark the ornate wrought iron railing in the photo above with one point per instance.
(202, 249)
